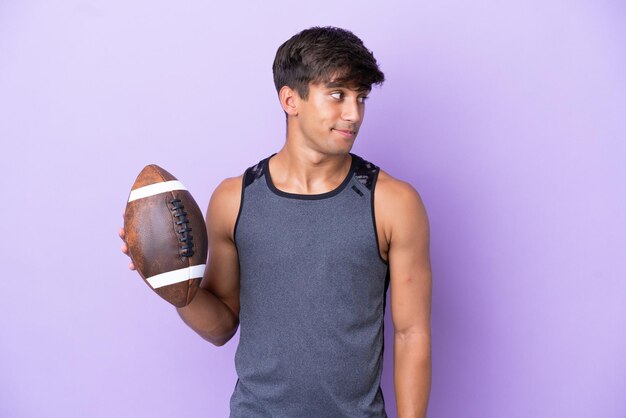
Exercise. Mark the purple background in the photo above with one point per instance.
(509, 119)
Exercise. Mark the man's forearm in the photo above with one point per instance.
(209, 317)
(412, 374)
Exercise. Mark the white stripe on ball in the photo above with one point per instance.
(176, 276)
(156, 188)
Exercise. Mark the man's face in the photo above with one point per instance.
(329, 120)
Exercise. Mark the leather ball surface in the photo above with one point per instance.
(166, 235)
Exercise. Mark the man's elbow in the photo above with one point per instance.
(219, 341)
(414, 335)
(416, 345)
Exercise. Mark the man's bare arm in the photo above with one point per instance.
(409, 264)
(214, 311)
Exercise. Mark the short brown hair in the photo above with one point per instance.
(317, 54)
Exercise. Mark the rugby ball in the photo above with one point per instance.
(166, 235)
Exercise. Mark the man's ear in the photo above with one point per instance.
(289, 100)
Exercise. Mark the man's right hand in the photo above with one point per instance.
(124, 246)
(214, 311)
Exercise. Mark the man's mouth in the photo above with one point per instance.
(346, 133)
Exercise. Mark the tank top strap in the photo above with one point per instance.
(366, 172)
(254, 172)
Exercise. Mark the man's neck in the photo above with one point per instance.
(296, 169)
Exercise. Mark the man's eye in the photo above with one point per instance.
(339, 95)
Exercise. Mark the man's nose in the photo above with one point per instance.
(350, 111)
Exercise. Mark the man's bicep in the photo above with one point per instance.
(221, 276)
(409, 263)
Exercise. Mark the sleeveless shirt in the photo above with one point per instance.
(312, 299)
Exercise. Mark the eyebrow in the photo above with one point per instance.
(334, 84)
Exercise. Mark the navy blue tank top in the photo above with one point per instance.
(312, 299)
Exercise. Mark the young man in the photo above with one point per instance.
(302, 252)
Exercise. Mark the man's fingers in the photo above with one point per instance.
(124, 247)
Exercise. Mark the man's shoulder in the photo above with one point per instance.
(225, 201)
(230, 188)
(395, 189)
(224, 206)
(396, 199)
